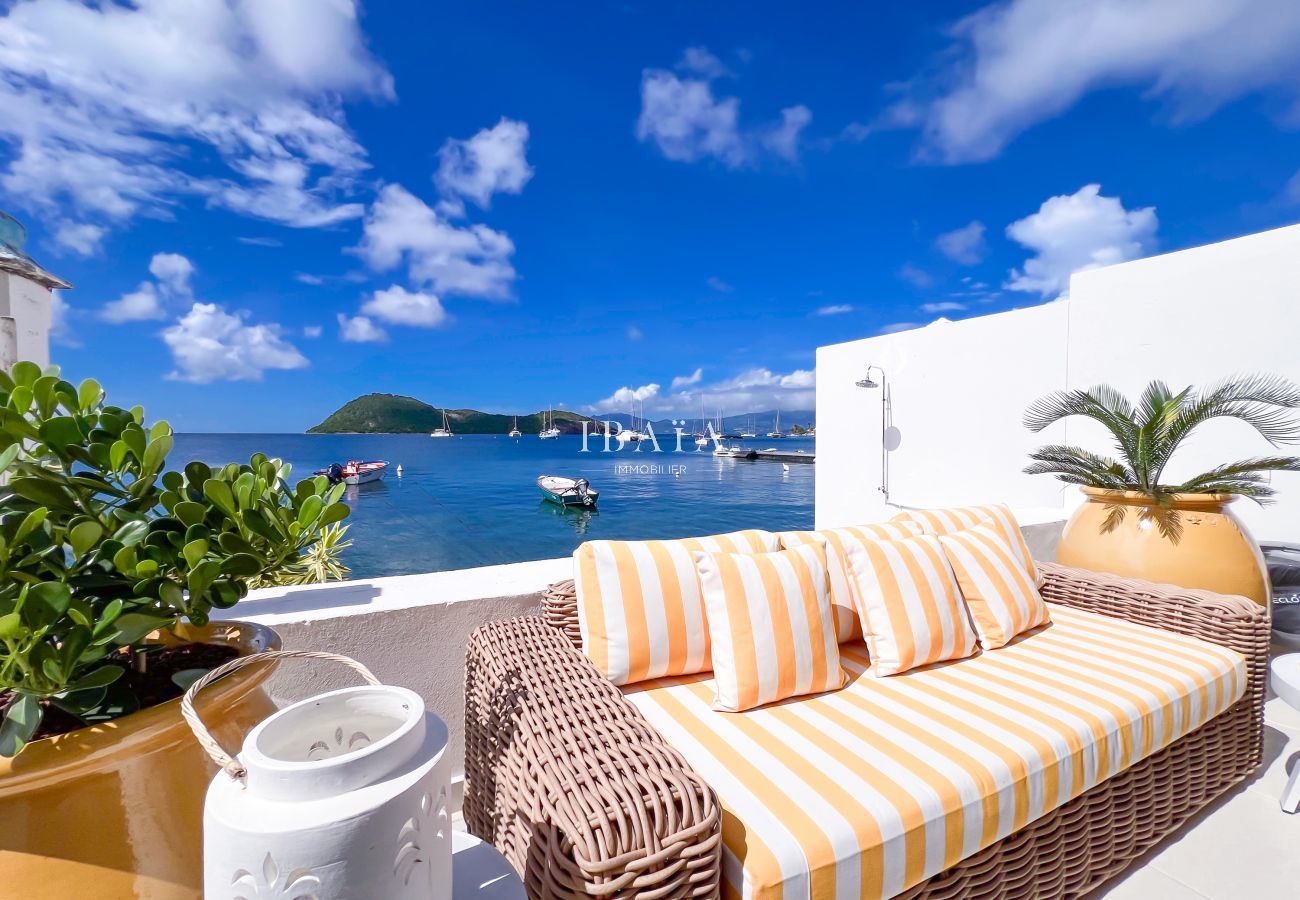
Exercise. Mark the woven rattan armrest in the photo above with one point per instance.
(571, 783)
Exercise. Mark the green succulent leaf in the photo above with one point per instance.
(45, 603)
(132, 628)
(21, 720)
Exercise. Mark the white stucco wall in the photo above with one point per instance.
(960, 388)
(29, 305)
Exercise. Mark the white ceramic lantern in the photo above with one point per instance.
(343, 795)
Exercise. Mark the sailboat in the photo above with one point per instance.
(777, 433)
(702, 436)
(748, 433)
(514, 429)
(444, 430)
(550, 431)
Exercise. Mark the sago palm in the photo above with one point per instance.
(1147, 433)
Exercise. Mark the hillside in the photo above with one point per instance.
(395, 414)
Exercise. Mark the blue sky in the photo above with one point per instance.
(268, 209)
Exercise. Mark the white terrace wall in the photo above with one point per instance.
(959, 389)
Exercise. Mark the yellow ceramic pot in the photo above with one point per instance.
(116, 810)
(1215, 552)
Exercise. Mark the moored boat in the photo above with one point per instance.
(355, 471)
(567, 491)
(514, 429)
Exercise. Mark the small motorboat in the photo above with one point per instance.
(355, 472)
(567, 491)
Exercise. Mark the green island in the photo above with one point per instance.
(396, 414)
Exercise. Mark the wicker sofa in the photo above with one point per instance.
(586, 799)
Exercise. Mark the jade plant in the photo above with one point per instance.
(101, 544)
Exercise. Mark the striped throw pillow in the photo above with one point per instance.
(845, 607)
(910, 604)
(770, 625)
(999, 591)
(639, 606)
(958, 518)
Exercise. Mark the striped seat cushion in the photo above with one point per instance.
(998, 589)
(639, 606)
(771, 630)
(909, 602)
(957, 518)
(869, 790)
(847, 625)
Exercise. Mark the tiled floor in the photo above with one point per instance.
(1242, 847)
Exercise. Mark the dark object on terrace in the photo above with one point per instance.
(1283, 561)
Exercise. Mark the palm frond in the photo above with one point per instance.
(1101, 403)
(1148, 434)
(1247, 477)
(1262, 401)
(1075, 465)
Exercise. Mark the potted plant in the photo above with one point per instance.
(111, 567)
(1134, 523)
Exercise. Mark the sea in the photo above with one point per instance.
(472, 500)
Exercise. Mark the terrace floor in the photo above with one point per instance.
(1242, 846)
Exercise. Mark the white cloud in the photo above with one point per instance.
(835, 309)
(360, 330)
(114, 108)
(473, 261)
(752, 390)
(173, 271)
(210, 344)
(943, 306)
(261, 241)
(634, 333)
(964, 246)
(684, 119)
(135, 306)
(719, 285)
(81, 238)
(493, 161)
(684, 381)
(699, 61)
(402, 307)
(312, 331)
(308, 278)
(60, 325)
(623, 399)
(171, 282)
(895, 327)
(1077, 231)
(916, 277)
(783, 139)
(1015, 64)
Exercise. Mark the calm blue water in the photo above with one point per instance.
(473, 501)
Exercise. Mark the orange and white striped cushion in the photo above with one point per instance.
(639, 605)
(958, 518)
(910, 604)
(847, 626)
(770, 625)
(999, 591)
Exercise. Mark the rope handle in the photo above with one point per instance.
(201, 733)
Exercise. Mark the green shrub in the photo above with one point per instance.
(100, 544)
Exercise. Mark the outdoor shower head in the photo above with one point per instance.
(867, 382)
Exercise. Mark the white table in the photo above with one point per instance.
(1286, 684)
(479, 872)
